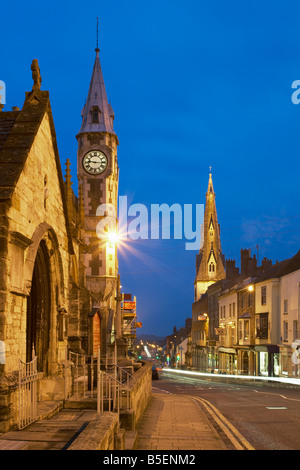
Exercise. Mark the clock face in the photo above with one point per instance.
(94, 162)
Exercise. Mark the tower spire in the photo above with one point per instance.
(210, 260)
(97, 114)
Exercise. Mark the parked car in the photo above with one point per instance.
(154, 373)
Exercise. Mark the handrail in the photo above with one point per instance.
(123, 369)
(113, 380)
(115, 390)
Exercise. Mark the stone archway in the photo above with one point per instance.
(39, 309)
(45, 281)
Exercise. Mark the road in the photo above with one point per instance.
(267, 416)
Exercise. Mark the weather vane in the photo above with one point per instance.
(97, 48)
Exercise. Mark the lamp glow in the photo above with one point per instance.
(113, 237)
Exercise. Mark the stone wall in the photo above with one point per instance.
(140, 396)
(102, 433)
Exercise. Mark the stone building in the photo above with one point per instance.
(199, 333)
(59, 281)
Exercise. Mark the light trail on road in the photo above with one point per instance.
(284, 380)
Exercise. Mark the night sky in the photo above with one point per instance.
(192, 84)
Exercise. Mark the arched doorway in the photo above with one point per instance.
(38, 310)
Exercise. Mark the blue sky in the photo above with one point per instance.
(192, 84)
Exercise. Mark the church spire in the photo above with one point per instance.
(97, 114)
(210, 189)
(209, 261)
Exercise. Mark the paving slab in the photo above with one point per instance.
(49, 434)
(173, 422)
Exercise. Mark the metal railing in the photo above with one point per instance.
(84, 375)
(113, 393)
(28, 378)
(98, 378)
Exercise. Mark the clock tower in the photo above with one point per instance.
(98, 173)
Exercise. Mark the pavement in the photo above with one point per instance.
(171, 422)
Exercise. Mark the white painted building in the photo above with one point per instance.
(227, 331)
(289, 323)
(267, 326)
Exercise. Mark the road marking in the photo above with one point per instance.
(161, 390)
(277, 394)
(239, 442)
(276, 408)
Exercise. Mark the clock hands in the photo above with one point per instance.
(95, 162)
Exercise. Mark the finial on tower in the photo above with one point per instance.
(210, 169)
(97, 36)
(36, 75)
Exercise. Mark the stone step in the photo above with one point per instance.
(81, 404)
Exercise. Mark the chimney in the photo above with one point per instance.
(266, 264)
(231, 270)
(245, 255)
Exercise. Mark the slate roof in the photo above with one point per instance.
(18, 130)
(282, 268)
(17, 133)
(7, 120)
(97, 98)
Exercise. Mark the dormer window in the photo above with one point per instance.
(95, 114)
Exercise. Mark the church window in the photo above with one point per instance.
(211, 267)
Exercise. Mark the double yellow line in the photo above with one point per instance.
(238, 441)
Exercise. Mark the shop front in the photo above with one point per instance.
(267, 360)
(227, 360)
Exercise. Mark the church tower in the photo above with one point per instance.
(210, 261)
(98, 174)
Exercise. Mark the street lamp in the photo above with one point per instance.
(113, 237)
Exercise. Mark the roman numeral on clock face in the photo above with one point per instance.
(95, 162)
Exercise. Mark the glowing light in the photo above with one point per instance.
(113, 237)
(237, 376)
(250, 288)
